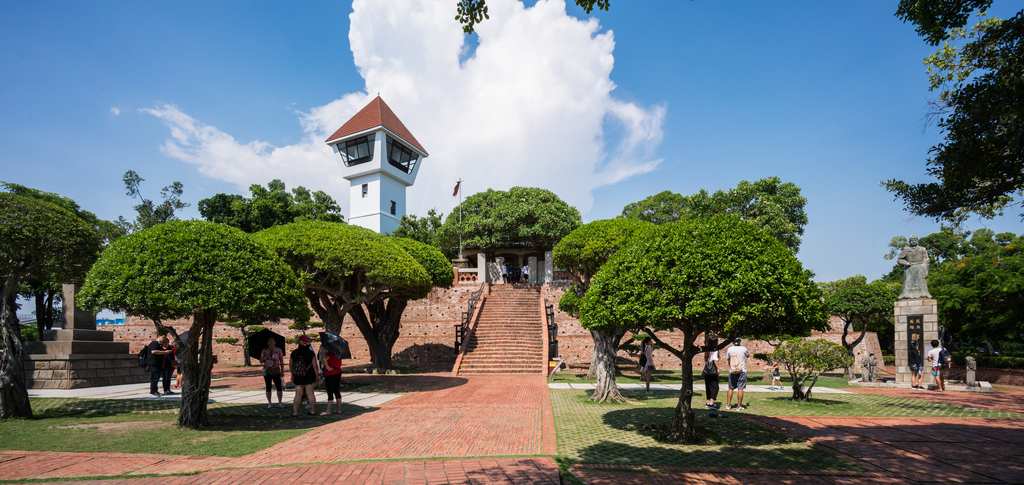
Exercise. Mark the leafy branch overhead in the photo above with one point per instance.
(979, 73)
(469, 13)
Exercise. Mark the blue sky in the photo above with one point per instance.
(603, 110)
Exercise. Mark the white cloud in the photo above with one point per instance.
(527, 109)
(115, 111)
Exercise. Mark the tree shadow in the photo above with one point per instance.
(729, 430)
(285, 422)
(734, 456)
(425, 354)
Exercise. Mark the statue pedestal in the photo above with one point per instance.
(78, 355)
(915, 319)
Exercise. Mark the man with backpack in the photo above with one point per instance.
(736, 356)
(940, 359)
(159, 366)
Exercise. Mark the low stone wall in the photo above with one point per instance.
(46, 371)
(1009, 377)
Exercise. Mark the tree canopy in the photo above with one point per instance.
(426, 230)
(777, 207)
(979, 73)
(716, 275)
(519, 216)
(856, 302)
(194, 269)
(582, 253)
(344, 267)
(270, 206)
(38, 241)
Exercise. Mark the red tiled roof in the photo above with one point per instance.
(375, 114)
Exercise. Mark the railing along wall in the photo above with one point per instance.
(464, 329)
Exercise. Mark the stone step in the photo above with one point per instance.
(76, 347)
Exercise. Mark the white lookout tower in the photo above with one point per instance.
(379, 158)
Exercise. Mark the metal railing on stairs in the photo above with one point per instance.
(462, 328)
(552, 332)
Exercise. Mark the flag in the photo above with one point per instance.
(456, 193)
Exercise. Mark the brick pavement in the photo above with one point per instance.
(483, 471)
(1002, 400)
(464, 416)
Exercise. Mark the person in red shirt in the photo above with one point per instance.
(332, 380)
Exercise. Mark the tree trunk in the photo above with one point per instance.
(14, 401)
(39, 295)
(848, 374)
(798, 392)
(328, 308)
(380, 324)
(592, 370)
(682, 429)
(195, 392)
(606, 348)
(245, 350)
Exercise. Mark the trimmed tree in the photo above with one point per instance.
(855, 302)
(246, 328)
(195, 269)
(718, 275)
(38, 241)
(581, 254)
(807, 359)
(343, 267)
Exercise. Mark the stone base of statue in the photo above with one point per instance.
(78, 355)
(915, 320)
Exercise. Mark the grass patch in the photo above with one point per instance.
(137, 426)
(624, 434)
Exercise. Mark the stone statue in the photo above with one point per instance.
(971, 375)
(971, 363)
(873, 368)
(865, 369)
(914, 259)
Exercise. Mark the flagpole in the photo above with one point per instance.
(460, 219)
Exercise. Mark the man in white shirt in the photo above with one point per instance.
(736, 357)
(934, 356)
(526, 273)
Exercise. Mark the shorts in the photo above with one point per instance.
(738, 381)
(276, 380)
(936, 371)
(915, 368)
(649, 368)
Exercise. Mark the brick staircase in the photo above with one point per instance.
(509, 336)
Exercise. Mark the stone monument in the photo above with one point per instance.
(78, 355)
(873, 368)
(916, 313)
(972, 369)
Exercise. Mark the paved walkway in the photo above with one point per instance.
(227, 395)
(677, 387)
(1001, 400)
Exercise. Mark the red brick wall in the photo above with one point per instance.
(427, 333)
(575, 342)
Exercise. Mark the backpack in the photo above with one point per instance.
(643, 360)
(144, 356)
(944, 358)
(735, 363)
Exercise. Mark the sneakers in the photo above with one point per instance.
(269, 405)
(782, 388)
(154, 394)
(741, 408)
(770, 387)
(280, 405)
(728, 407)
(169, 393)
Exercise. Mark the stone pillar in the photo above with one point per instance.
(549, 267)
(75, 317)
(481, 267)
(915, 319)
(501, 264)
(533, 269)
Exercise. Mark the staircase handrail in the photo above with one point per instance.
(467, 326)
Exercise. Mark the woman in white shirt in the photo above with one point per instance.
(710, 374)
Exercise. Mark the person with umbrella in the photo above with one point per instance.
(272, 359)
(305, 375)
(333, 348)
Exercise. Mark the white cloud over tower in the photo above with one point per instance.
(527, 108)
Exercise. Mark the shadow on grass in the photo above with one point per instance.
(729, 430)
(732, 456)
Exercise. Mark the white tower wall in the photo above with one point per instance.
(373, 211)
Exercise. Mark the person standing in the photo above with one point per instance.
(737, 358)
(776, 377)
(158, 351)
(938, 364)
(504, 272)
(916, 366)
(332, 380)
(710, 374)
(526, 273)
(648, 368)
(272, 359)
(304, 375)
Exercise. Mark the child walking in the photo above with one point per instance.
(776, 377)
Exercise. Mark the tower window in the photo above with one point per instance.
(366, 188)
(401, 156)
(394, 208)
(356, 151)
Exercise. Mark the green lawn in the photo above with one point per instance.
(615, 434)
(132, 426)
